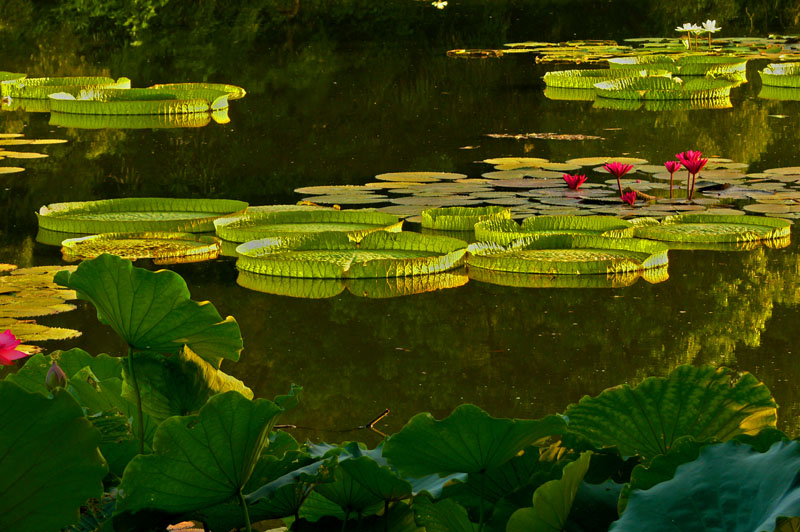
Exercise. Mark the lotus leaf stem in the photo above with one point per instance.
(346, 517)
(245, 512)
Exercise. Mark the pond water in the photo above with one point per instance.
(320, 113)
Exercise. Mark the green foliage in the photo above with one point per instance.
(49, 459)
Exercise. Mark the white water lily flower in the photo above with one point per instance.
(438, 4)
(688, 27)
(711, 26)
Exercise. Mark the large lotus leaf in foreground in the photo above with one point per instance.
(198, 461)
(715, 228)
(138, 101)
(152, 311)
(462, 218)
(49, 460)
(124, 215)
(289, 220)
(41, 88)
(334, 255)
(552, 501)
(702, 402)
(468, 441)
(506, 231)
(730, 487)
(566, 254)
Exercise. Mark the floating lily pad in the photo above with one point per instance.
(576, 95)
(136, 215)
(352, 199)
(116, 121)
(763, 208)
(21, 155)
(370, 288)
(419, 177)
(41, 88)
(660, 88)
(10, 169)
(139, 101)
(781, 75)
(711, 228)
(334, 255)
(584, 78)
(165, 248)
(234, 92)
(520, 162)
(6, 76)
(538, 280)
(568, 255)
(274, 221)
(461, 218)
(506, 231)
(601, 160)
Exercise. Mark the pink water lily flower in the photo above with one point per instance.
(574, 181)
(693, 161)
(629, 197)
(7, 352)
(618, 170)
(672, 167)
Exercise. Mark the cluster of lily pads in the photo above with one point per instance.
(101, 102)
(163, 436)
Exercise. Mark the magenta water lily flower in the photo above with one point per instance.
(8, 353)
(672, 167)
(629, 197)
(618, 170)
(693, 161)
(574, 181)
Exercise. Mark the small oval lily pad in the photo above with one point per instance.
(715, 228)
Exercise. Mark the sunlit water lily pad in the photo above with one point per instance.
(138, 101)
(538, 280)
(40, 88)
(272, 221)
(506, 231)
(136, 215)
(351, 199)
(164, 248)
(234, 92)
(117, 121)
(568, 255)
(461, 218)
(334, 255)
(711, 228)
(519, 162)
(601, 160)
(419, 177)
(781, 75)
(661, 88)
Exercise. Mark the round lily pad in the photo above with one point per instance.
(539, 280)
(599, 161)
(161, 246)
(136, 215)
(461, 218)
(506, 231)
(285, 220)
(10, 169)
(715, 228)
(333, 255)
(520, 162)
(138, 101)
(564, 254)
(419, 177)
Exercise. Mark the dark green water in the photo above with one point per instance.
(330, 109)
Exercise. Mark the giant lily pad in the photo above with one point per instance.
(506, 231)
(468, 441)
(136, 214)
(540, 280)
(165, 248)
(702, 402)
(289, 220)
(715, 228)
(586, 78)
(741, 490)
(461, 218)
(49, 459)
(7, 76)
(152, 311)
(568, 254)
(139, 101)
(781, 75)
(334, 255)
(159, 121)
(41, 88)
(234, 92)
(662, 88)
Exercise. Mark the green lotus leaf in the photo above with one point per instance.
(740, 489)
(290, 220)
(159, 121)
(164, 247)
(124, 215)
(41, 88)
(703, 402)
(781, 75)
(178, 385)
(49, 460)
(663, 88)
(152, 311)
(234, 92)
(468, 441)
(566, 254)
(138, 101)
(716, 228)
(461, 218)
(334, 255)
(198, 461)
(443, 516)
(552, 501)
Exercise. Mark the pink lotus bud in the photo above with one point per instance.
(56, 378)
